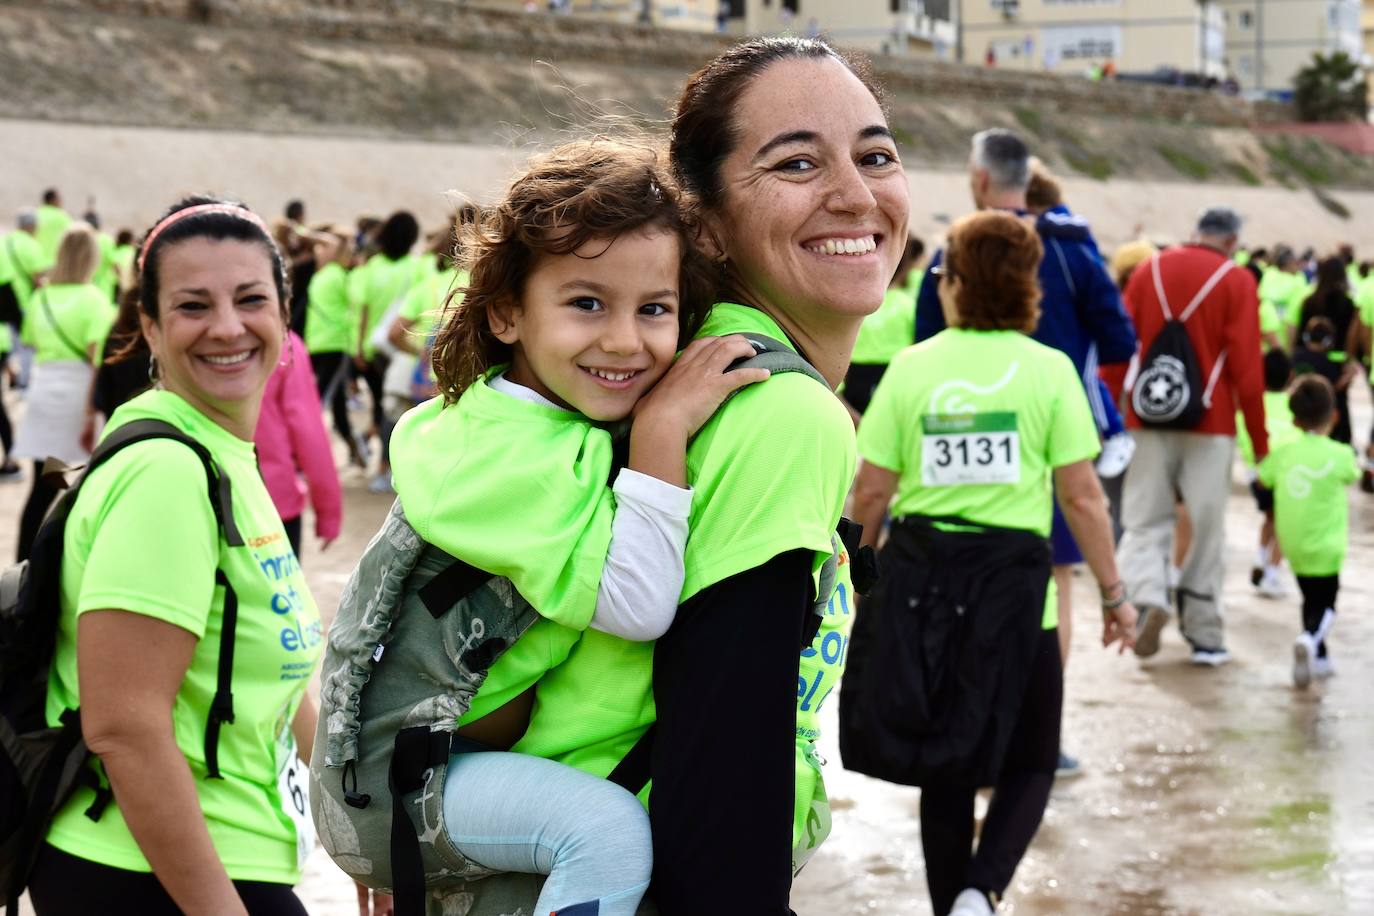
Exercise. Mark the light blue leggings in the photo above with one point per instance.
(513, 812)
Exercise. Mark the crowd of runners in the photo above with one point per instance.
(617, 565)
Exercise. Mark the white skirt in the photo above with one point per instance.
(54, 410)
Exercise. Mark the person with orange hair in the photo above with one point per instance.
(967, 431)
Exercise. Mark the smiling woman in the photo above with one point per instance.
(804, 205)
(172, 607)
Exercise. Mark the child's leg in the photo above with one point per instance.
(525, 814)
(1318, 607)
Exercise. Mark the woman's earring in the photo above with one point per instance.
(154, 376)
(290, 359)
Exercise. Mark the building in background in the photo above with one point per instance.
(1367, 28)
(1072, 36)
(896, 27)
(1269, 41)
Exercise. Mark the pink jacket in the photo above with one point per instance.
(291, 438)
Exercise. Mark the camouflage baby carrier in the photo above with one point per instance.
(416, 631)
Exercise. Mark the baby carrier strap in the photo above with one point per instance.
(416, 632)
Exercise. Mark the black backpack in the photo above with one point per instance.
(1167, 390)
(41, 765)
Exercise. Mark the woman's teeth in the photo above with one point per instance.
(844, 246)
(231, 360)
(612, 376)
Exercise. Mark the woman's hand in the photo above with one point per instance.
(683, 400)
(373, 903)
(1118, 624)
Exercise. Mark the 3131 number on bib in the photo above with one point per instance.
(972, 448)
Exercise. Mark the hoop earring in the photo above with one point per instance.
(154, 375)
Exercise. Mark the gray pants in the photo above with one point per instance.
(1198, 467)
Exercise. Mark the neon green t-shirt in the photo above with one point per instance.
(22, 258)
(536, 477)
(382, 282)
(331, 322)
(1309, 476)
(1278, 423)
(974, 423)
(770, 473)
(106, 277)
(888, 330)
(83, 317)
(1270, 322)
(52, 224)
(142, 538)
(1284, 290)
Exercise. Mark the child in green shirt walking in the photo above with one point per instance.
(1309, 476)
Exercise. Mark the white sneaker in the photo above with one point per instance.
(1213, 658)
(971, 902)
(1323, 668)
(1304, 657)
(1116, 455)
(1272, 584)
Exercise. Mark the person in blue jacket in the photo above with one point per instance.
(1081, 315)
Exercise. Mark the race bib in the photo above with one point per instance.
(293, 784)
(971, 448)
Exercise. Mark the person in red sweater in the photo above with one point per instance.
(1223, 328)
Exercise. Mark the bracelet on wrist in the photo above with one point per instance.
(1114, 603)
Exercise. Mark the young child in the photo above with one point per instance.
(583, 282)
(1267, 573)
(1309, 476)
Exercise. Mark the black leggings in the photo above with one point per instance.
(6, 430)
(65, 885)
(41, 497)
(1318, 597)
(1018, 799)
(331, 378)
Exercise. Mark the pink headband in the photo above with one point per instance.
(171, 218)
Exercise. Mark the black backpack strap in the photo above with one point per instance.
(219, 488)
(222, 706)
(220, 492)
(440, 594)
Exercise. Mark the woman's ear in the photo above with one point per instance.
(150, 333)
(709, 240)
(501, 319)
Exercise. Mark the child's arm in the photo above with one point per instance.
(642, 578)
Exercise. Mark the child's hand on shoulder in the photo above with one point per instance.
(696, 385)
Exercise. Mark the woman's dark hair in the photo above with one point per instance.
(1332, 284)
(125, 341)
(215, 225)
(125, 237)
(398, 234)
(1278, 369)
(1312, 402)
(704, 130)
(996, 257)
(574, 194)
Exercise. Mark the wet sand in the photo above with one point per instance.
(1203, 791)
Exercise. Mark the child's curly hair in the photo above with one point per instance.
(580, 191)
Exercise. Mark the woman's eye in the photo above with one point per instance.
(255, 301)
(878, 158)
(190, 305)
(586, 303)
(655, 309)
(797, 165)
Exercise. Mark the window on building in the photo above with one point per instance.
(897, 6)
(792, 6)
(1247, 19)
(1245, 64)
